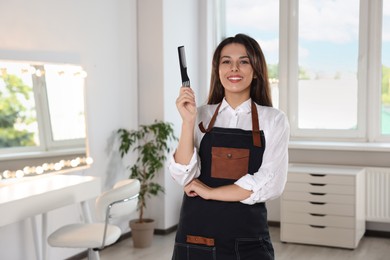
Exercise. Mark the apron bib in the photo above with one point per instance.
(218, 230)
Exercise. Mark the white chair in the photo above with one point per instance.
(119, 201)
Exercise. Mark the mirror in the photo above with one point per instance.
(42, 118)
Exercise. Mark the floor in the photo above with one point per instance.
(370, 248)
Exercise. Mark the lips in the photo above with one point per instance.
(234, 78)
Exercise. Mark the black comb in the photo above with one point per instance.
(183, 66)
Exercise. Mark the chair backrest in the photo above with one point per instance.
(125, 193)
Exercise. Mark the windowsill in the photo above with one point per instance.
(340, 146)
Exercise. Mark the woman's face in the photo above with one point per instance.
(235, 70)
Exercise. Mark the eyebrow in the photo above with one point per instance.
(241, 57)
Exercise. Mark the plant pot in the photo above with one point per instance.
(142, 233)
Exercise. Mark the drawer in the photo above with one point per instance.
(318, 208)
(338, 237)
(321, 178)
(319, 197)
(320, 188)
(318, 220)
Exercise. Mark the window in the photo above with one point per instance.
(42, 107)
(65, 96)
(333, 72)
(327, 58)
(385, 93)
(261, 22)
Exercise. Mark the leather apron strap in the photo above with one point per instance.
(255, 124)
(212, 121)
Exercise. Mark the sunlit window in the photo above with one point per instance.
(260, 20)
(64, 86)
(18, 117)
(41, 106)
(328, 67)
(385, 115)
(328, 55)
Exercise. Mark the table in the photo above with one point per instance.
(38, 195)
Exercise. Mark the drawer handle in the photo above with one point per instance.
(317, 175)
(317, 215)
(315, 226)
(317, 203)
(317, 193)
(317, 184)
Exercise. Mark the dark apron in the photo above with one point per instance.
(218, 230)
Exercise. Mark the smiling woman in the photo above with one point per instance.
(41, 116)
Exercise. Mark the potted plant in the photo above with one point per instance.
(151, 142)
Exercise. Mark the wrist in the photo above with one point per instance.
(188, 125)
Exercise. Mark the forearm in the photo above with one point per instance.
(185, 148)
(229, 193)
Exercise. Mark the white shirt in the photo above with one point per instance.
(269, 181)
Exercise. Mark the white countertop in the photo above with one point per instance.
(25, 198)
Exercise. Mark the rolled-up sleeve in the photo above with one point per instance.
(268, 183)
(183, 174)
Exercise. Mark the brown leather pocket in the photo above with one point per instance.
(200, 240)
(229, 163)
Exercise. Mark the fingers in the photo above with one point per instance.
(186, 96)
(196, 188)
(186, 105)
(191, 194)
(189, 189)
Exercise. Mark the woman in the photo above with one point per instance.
(233, 161)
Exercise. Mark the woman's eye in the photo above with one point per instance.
(225, 62)
(244, 62)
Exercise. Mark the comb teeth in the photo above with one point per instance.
(186, 83)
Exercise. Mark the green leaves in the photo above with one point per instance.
(14, 113)
(151, 142)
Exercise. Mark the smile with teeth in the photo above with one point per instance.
(234, 78)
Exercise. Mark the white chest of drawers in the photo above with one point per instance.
(323, 205)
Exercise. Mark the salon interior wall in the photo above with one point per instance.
(103, 35)
(163, 26)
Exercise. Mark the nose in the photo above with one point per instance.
(234, 66)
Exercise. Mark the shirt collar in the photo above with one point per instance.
(244, 107)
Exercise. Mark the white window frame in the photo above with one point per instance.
(47, 145)
(374, 69)
(369, 76)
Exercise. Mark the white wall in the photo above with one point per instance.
(180, 27)
(103, 35)
(163, 26)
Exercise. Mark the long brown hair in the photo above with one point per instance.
(260, 91)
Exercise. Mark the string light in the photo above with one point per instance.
(47, 168)
(28, 70)
(39, 73)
